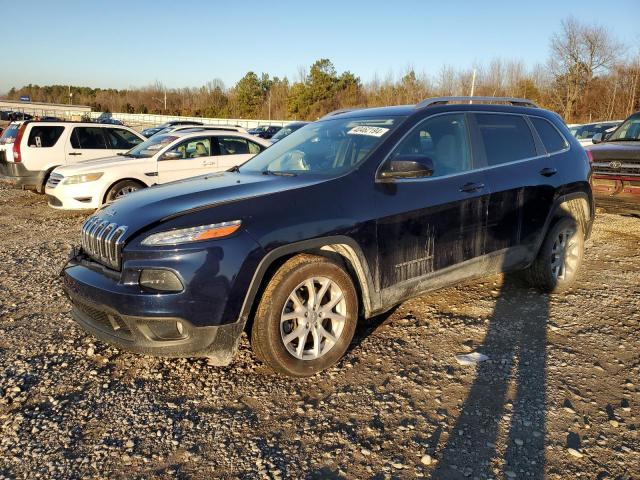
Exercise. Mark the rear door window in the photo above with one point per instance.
(89, 138)
(506, 138)
(44, 136)
(551, 138)
(233, 146)
(121, 139)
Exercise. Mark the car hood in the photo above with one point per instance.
(151, 205)
(615, 151)
(102, 164)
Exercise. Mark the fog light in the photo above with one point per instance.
(161, 280)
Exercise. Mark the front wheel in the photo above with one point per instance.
(556, 266)
(306, 317)
(121, 189)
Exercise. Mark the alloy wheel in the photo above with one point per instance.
(313, 318)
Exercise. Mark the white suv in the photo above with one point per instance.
(40, 146)
(160, 159)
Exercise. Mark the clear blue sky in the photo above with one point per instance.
(122, 43)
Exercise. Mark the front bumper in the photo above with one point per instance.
(73, 197)
(18, 174)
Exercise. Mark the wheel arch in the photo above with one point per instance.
(111, 184)
(578, 204)
(339, 248)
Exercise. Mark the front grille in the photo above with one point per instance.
(616, 168)
(54, 180)
(102, 241)
(105, 321)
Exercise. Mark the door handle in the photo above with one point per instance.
(548, 172)
(471, 187)
(75, 153)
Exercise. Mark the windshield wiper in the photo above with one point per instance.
(235, 168)
(281, 174)
(624, 140)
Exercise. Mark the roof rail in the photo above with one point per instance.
(337, 112)
(518, 102)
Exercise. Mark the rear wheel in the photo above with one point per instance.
(121, 189)
(306, 318)
(560, 257)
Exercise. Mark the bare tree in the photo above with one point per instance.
(578, 53)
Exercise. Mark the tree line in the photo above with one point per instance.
(589, 76)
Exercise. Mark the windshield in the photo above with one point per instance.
(150, 146)
(283, 132)
(585, 132)
(9, 135)
(331, 147)
(629, 131)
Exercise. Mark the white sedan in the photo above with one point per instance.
(160, 159)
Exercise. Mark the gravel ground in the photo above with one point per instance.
(558, 397)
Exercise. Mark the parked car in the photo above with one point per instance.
(153, 130)
(616, 167)
(160, 159)
(287, 130)
(39, 147)
(180, 128)
(344, 218)
(584, 133)
(109, 121)
(265, 131)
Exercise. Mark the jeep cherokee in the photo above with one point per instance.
(341, 220)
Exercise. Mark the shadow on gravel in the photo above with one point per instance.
(366, 328)
(516, 346)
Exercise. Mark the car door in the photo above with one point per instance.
(120, 140)
(430, 226)
(85, 143)
(189, 158)
(235, 150)
(522, 180)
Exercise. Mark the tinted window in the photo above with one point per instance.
(44, 135)
(629, 131)
(237, 146)
(89, 138)
(506, 138)
(444, 140)
(194, 148)
(121, 139)
(551, 138)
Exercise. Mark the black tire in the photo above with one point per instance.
(268, 335)
(118, 190)
(555, 269)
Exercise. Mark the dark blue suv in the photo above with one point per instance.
(341, 220)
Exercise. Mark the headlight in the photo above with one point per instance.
(192, 234)
(87, 177)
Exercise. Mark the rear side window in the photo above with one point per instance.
(237, 146)
(89, 138)
(506, 138)
(551, 138)
(44, 136)
(120, 139)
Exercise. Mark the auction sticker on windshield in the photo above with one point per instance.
(371, 131)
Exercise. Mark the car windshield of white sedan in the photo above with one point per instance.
(330, 147)
(629, 131)
(150, 147)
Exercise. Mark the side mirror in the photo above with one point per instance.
(407, 166)
(597, 138)
(171, 156)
